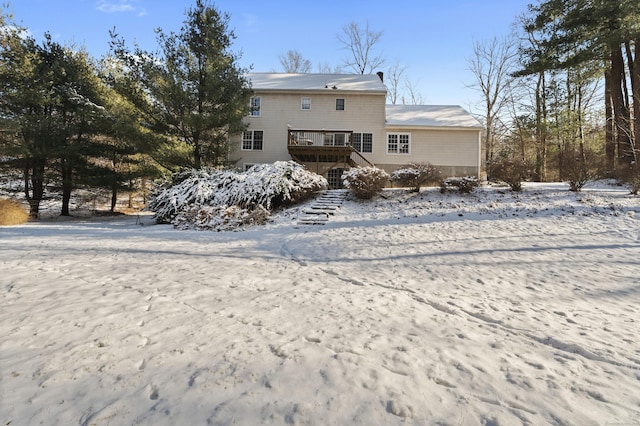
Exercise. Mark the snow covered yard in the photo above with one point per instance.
(492, 308)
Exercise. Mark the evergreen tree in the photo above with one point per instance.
(27, 108)
(579, 33)
(194, 92)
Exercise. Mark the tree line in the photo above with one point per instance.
(561, 96)
(71, 120)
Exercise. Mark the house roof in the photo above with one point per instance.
(316, 82)
(430, 116)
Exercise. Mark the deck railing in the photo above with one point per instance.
(320, 137)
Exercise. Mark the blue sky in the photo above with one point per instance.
(432, 39)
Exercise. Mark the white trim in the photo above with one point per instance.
(398, 134)
(242, 148)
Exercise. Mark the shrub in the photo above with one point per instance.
(12, 213)
(264, 186)
(631, 176)
(635, 182)
(511, 171)
(578, 170)
(464, 185)
(365, 182)
(415, 175)
(219, 218)
(577, 175)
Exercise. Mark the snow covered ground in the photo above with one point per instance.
(492, 308)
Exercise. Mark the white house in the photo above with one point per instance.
(330, 122)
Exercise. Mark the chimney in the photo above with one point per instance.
(381, 75)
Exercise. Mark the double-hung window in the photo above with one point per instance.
(398, 143)
(252, 140)
(305, 104)
(362, 142)
(340, 104)
(254, 106)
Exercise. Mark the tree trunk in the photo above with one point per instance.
(541, 129)
(609, 140)
(37, 185)
(488, 145)
(114, 198)
(620, 110)
(197, 150)
(67, 186)
(635, 90)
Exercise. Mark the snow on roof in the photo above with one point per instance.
(314, 82)
(430, 116)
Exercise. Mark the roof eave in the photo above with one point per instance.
(417, 127)
(320, 91)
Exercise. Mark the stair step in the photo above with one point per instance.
(312, 222)
(325, 207)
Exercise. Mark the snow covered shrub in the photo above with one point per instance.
(221, 218)
(264, 186)
(12, 213)
(415, 175)
(365, 182)
(511, 171)
(464, 185)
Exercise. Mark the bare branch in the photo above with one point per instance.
(361, 44)
(392, 80)
(294, 62)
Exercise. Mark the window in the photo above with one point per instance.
(362, 142)
(335, 139)
(252, 140)
(340, 104)
(306, 103)
(398, 143)
(254, 107)
(248, 166)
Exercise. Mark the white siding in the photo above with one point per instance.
(454, 151)
(280, 111)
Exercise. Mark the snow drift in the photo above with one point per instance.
(413, 308)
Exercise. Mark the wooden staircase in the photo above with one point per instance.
(320, 151)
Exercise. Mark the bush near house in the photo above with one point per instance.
(365, 182)
(12, 213)
(511, 171)
(464, 185)
(415, 176)
(221, 199)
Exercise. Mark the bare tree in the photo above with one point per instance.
(413, 97)
(393, 80)
(492, 65)
(361, 43)
(294, 62)
(325, 68)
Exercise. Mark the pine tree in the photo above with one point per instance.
(195, 91)
(582, 33)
